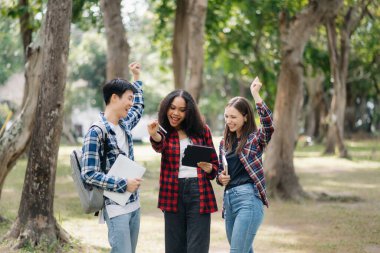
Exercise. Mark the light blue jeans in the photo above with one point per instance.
(123, 231)
(243, 216)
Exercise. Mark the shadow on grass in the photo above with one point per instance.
(324, 197)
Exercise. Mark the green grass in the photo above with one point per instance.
(310, 226)
(358, 150)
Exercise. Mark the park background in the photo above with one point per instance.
(319, 65)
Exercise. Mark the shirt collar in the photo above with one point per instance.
(109, 126)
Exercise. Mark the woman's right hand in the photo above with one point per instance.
(223, 178)
(152, 130)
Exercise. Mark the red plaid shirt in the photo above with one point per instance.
(169, 148)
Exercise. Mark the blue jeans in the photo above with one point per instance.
(123, 231)
(243, 216)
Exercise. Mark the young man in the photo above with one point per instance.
(124, 108)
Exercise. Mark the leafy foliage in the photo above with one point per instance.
(87, 14)
(87, 70)
(241, 41)
(11, 53)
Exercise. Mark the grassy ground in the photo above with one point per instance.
(345, 225)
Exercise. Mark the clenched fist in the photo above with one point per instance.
(135, 68)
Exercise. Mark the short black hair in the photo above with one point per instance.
(116, 86)
(193, 124)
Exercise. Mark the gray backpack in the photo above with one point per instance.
(91, 197)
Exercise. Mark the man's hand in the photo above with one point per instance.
(135, 68)
(207, 167)
(223, 178)
(133, 184)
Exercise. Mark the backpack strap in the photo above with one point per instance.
(104, 140)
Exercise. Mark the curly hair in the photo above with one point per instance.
(193, 124)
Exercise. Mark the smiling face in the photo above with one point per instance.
(234, 120)
(123, 104)
(177, 112)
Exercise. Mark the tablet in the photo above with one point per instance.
(196, 153)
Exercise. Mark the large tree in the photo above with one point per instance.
(188, 40)
(117, 45)
(35, 223)
(339, 61)
(14, 141)
(294, 34)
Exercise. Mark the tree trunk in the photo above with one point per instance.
(351, 111)
(25, 25)
(339, 60)
(338, 102)
(35, 224)
(67, 132)
(197, 19)
(315, 105)
(15, 140)
(117, 45)
(180, 41)
(282, 180)
(26, 36)
(188, 55)
(242, 88)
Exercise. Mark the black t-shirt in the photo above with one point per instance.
(236, 170)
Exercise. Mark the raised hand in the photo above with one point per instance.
(135, 68)
(256, 85)
(255, 89)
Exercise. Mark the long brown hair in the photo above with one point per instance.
(245, 108)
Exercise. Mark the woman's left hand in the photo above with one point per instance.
(255, 89)
(207, 167)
